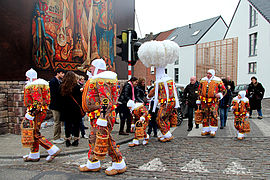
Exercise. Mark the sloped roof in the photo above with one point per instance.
(192, 33)
(263, 6)
(164, 35)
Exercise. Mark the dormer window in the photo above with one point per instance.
(196, 32)
(173, 38)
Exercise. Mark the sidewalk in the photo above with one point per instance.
(11, 146)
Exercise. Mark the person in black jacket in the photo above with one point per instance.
(71, 102)
(140, 91)
(230, 86)
(152, 122)
(255, 93)
(55, 104)
(224, 104)
(128, 93)
(190, 97)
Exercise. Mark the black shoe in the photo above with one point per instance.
(260, 117)
(197, 126)
(155, 135)
(116, 122)
(189, 129)
(221, 127)
(75, 143)
(86, 127)
(68, 143)
(123, 133)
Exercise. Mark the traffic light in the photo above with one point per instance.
(129, 43)
(135, 47)
(123, 45)
(135, 44)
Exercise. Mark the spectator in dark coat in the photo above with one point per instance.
(71, 101)
(152, 123)
(140, 91)
(190, 97)
(55, 104)
(255, 93)
(128, 93)
(229, 86)
(81, 82)
(224, 105)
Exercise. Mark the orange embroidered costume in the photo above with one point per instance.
(99, 100)
(240, 107)
(37, 99)
(159, 54)
(140, 115)
(211, 90)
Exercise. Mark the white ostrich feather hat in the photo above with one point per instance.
(158, 53)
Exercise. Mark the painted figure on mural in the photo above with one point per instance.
(43, 43)
(68, 34)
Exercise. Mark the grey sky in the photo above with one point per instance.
(161, 15)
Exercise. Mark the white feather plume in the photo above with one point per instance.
(158, 53)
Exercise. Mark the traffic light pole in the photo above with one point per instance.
(129, 55)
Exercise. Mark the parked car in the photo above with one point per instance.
(239, 87)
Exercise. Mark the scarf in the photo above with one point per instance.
(132, 88)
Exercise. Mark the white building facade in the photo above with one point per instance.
(204, 31)
(252, 27)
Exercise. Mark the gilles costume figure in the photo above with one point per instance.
(159, 54)
(99, 101)
(240, 108)
(211, 90)
(139, 113)
(37, 99)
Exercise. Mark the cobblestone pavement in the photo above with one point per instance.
(183, 158)
(188, 156)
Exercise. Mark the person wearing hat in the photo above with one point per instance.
(211, 90)
(159, 54)
(240, 108)
(37, 99)
(140, 113)
(99, 101)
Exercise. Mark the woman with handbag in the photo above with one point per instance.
(71, 110)
(240, 108)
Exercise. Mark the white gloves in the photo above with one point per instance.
(198, 102)
(29, 116)
(142, 118)
(102, 122)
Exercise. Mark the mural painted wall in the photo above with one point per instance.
(68, 34)
(49, 34)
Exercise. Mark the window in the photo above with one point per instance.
(253, 17)
(176, 75)
(176, 62)
(252, 67)
(253, 44)
(166, 71)
(152, 70)
(196, 32)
